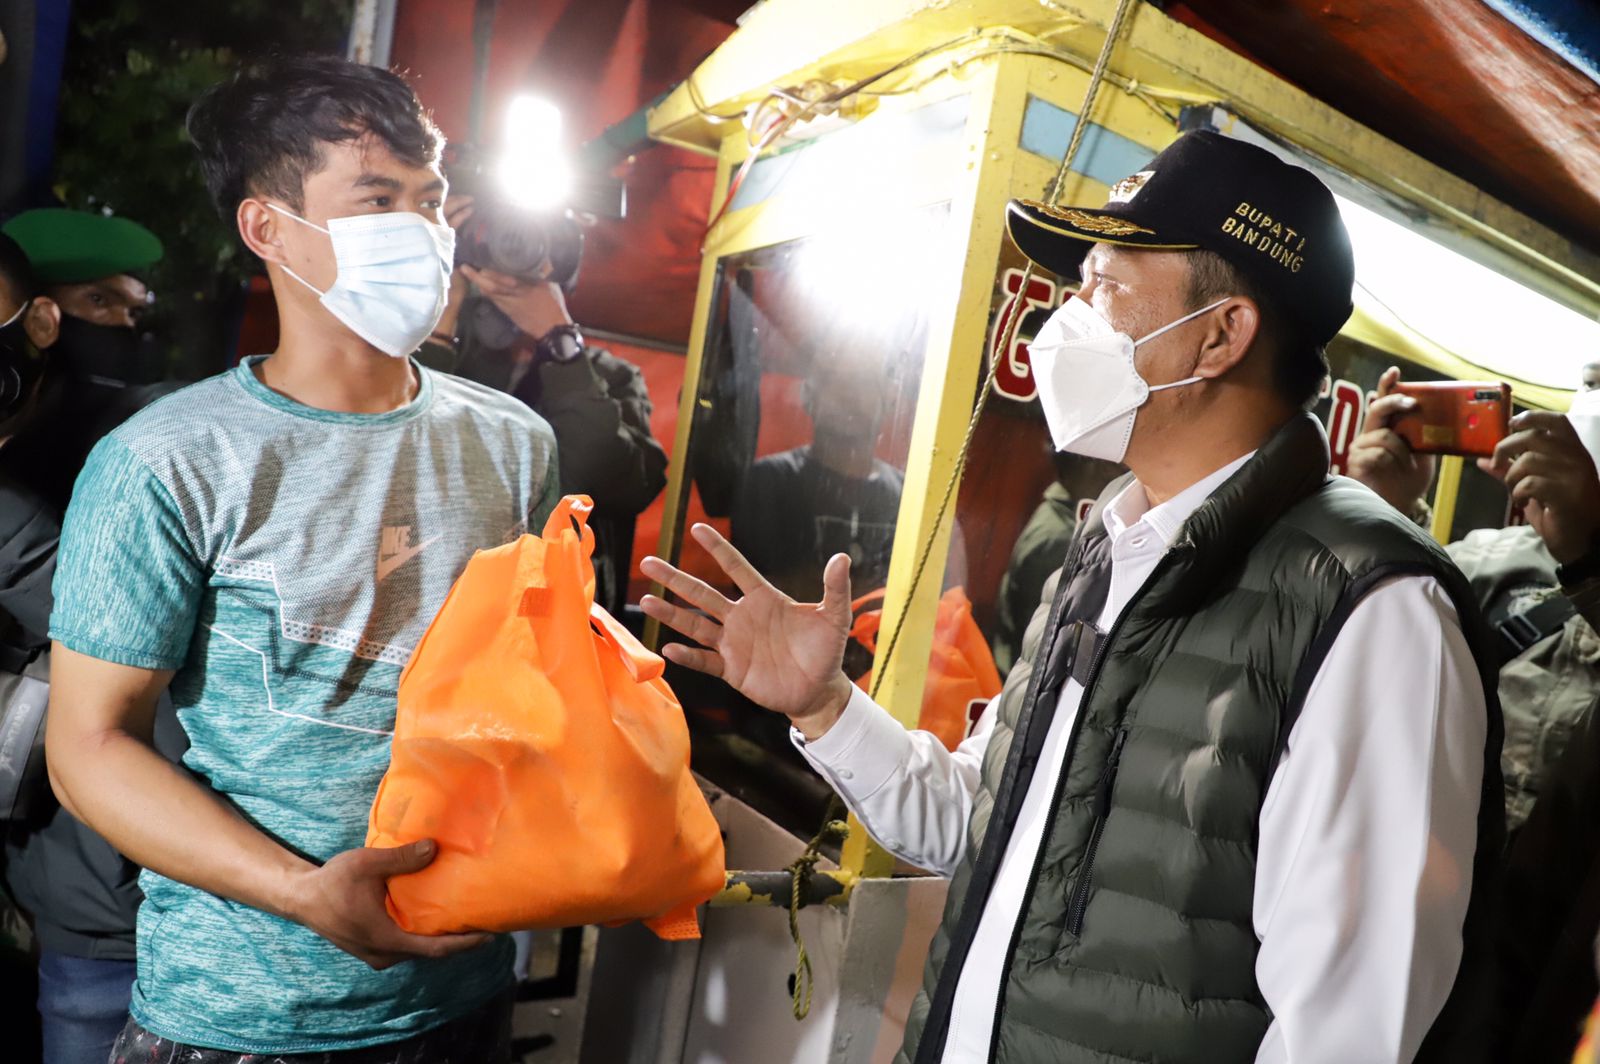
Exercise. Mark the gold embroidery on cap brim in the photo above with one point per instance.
(1092, 223)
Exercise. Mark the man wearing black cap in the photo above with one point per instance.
(1238, 798)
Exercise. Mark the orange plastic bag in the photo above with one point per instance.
(961, 669)
(538, 745)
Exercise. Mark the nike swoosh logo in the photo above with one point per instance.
(395, 561)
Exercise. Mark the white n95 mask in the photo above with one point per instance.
(393, 276)
(1088, 386)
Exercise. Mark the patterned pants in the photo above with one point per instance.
(482, 1037)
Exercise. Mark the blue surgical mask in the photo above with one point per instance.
(393, 276)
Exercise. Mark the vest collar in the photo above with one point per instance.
(1289, 467)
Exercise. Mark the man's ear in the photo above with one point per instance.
(260, 230)
(1231, 332)
(42, 323)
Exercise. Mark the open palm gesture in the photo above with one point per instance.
(779, 653)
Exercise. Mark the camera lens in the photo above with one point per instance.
(517, 245)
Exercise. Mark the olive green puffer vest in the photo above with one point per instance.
(1135, 943)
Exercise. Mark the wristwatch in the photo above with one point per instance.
(1581, 569)
(561, 344)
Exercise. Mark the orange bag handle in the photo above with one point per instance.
(641, 664)
(572, 514)
(864, 629)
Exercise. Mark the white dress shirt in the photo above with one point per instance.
(1367, 832)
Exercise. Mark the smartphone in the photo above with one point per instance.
(1456, 417)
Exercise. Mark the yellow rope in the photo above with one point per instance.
(799, 872)
(1096, 78)
(801, 869)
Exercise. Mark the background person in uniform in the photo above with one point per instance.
(89, 265)
(596, 403)
(77, 893)
(1041, 548)
(1255, 825)
(271, 543)
(29, 525)
(102, 370)
(1539, 586)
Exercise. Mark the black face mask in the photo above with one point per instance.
(107, 354)
(21, 366)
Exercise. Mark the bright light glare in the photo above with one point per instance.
(1465, 307)
(534, 171)
(872, 277)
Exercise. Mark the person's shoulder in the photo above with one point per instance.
(1354, 524)
(1053, 521)
(173, 408)
(784, 463)
(458, 397)
(181, 421)
(889, 473)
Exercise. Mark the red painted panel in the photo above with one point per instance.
(599, 61)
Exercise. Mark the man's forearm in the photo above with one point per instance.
(912, 794)
(163, 819)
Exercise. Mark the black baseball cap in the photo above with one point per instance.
(1276, 222)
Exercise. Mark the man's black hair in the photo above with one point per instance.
(1299, 366)
(262, 131)
(16, 272)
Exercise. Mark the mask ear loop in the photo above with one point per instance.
(1174, 324)
(302, 221)
(17, 316)
(1152, 388)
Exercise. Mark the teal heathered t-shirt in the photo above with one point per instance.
(285, 560)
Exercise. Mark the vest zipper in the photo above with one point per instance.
(1055, 799)
(1038, 858)
(1102, 810)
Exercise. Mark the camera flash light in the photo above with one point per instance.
(534, 171)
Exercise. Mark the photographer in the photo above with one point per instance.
(1539, 586)
(514, 333)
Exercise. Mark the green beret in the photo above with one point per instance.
(70, 247)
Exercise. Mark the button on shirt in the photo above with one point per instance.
(1367, 831)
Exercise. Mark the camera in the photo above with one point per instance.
(508, 237)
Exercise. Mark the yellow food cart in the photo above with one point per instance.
(851, 308)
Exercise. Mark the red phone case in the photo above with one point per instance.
(1456, 417)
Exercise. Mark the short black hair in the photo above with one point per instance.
(16, 272)
(263, 130)
(1299, 365)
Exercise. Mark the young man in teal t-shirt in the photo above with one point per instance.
(269, 545)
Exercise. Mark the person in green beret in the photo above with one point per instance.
(89, 265)
(103, 370)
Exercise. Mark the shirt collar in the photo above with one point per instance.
(1132, 506)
